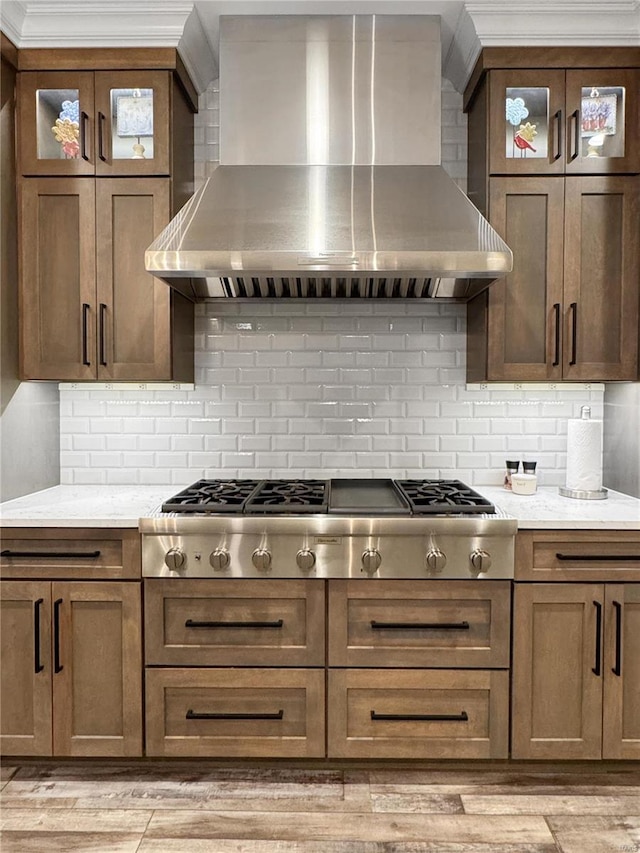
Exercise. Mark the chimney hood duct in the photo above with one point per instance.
(330, 183)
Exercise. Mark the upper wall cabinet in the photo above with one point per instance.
(551, 121)
(94, 123)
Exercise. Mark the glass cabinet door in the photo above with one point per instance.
(526, 115)
(56, 123)
(132, 114)
(602, 115)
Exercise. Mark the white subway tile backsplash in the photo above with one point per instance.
(319, 388)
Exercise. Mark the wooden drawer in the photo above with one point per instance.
(419, 623)
(235, 622)
(235, 712)
(376, 714)
(70, 553)
(577, 555)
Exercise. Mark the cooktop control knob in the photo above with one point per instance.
(371, 560)
(306, 559)
(261, 559)
(219, 559)
(436, 560)
(175, 559)
(480, 560)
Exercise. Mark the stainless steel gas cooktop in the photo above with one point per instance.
(341, 528)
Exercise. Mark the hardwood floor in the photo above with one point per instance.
(207, 808)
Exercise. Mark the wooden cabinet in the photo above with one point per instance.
(235, 712)
(87, 123)
(576, 646)
(88, 308)
(235, 623)
(556, 121)
(71, 651)
(409, 669)
(569, 311)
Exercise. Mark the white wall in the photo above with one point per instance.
(622, 437)
(320, 389)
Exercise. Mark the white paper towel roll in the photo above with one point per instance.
(584, 455)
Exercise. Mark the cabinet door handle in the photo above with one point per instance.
(101, 336)
(574, 332)
(574, 119)
(420, 626)
(197, 715)
(67, 555)
(616, 669)
(556, 317)
(597, 668)
(191, 623)
(38, 666)
(101, 120)
(462, 717)
(84, 124)
(558, 135)
(57, 666)
(600, 557)
(85, 334)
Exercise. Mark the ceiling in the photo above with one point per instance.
(192, 27)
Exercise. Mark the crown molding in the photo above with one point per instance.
(113, 23)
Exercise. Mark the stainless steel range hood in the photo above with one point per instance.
(330, 182)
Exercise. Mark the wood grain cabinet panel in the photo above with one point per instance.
(235, 623)
(235, 712)
(25, 668)
(418, 714)
(621, 728)
(71, 650)
(577, 555)
(412, 624)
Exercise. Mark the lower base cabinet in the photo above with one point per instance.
(418, 714)
(251, 713)
(576, 671)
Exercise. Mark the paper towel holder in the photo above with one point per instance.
(584, 494)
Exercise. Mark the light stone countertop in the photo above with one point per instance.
(122, 506)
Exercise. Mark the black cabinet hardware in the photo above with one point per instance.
(101, 120)
(420, 626)
(574, 332)
(574, 118)
(84, 123)
(597, 668)
(38, 667)
(612, 557)
(616, 669)
(195, 715)
(463, 717)
(57, 666)
(85, 334)
(66, 555)
(101, 335)
(558, 134)
(191, 623)
(556, 312)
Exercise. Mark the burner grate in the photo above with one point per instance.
(212, 496)
(443, 496)
(290, 496)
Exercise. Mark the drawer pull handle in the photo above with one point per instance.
(66, 555)
(190, 623)
(57, 666)
(420, 626)
(582, 557)
(596, 668)
(556, 357)
(616, 669)
(86, 310)
(38, 667)
(193, 715)
(463, 717)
